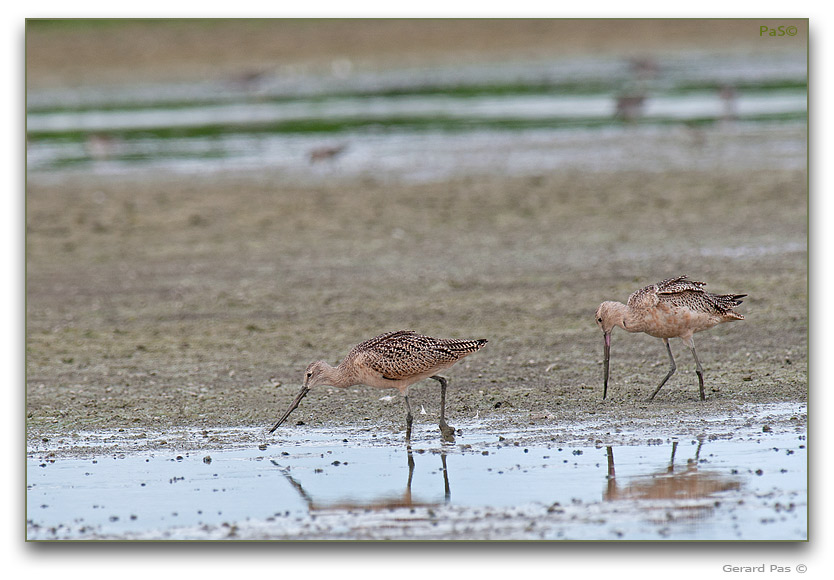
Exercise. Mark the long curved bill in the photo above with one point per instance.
(605, 364)
(293, 405)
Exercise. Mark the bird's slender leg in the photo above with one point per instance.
(671, 467)
(410, 469)
(609, 451)
(698, 451)
(446, 489)
(672, 369)
(409, 418)
(447, 431)
(611, 486)
(698, 369)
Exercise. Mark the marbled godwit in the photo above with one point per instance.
(101, 146)
(394, 360)
(326, 152)
(644, 67)
(672, 308)
(729, 98)
(629, 107)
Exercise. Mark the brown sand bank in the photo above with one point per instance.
(162, 303)
(71, 53)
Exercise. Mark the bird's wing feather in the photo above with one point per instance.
(690, 294)
(680, 292)
(679, 284)
(671, 290)
(404, 353)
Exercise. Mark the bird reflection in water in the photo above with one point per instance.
(384, 502)
(673, 483)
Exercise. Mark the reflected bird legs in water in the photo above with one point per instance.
(385, 502)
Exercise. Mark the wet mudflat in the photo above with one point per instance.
(491, 484)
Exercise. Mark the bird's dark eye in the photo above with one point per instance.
(599, 319)
(309, 374)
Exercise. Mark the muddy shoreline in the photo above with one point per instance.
(161, 305)
(156, 303)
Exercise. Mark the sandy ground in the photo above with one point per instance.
(159, 304)
(73, 53)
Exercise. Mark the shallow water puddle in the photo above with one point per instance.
(318, 486)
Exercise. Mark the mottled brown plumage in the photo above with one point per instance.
(392, 360)
(686, 294)
(675, 307)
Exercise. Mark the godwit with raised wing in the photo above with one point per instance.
(394, 360)
(676, 307)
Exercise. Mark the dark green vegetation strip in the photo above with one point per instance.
(588, 87)
(307, 126)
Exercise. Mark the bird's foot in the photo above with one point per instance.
(408, 431)
(447, 432)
